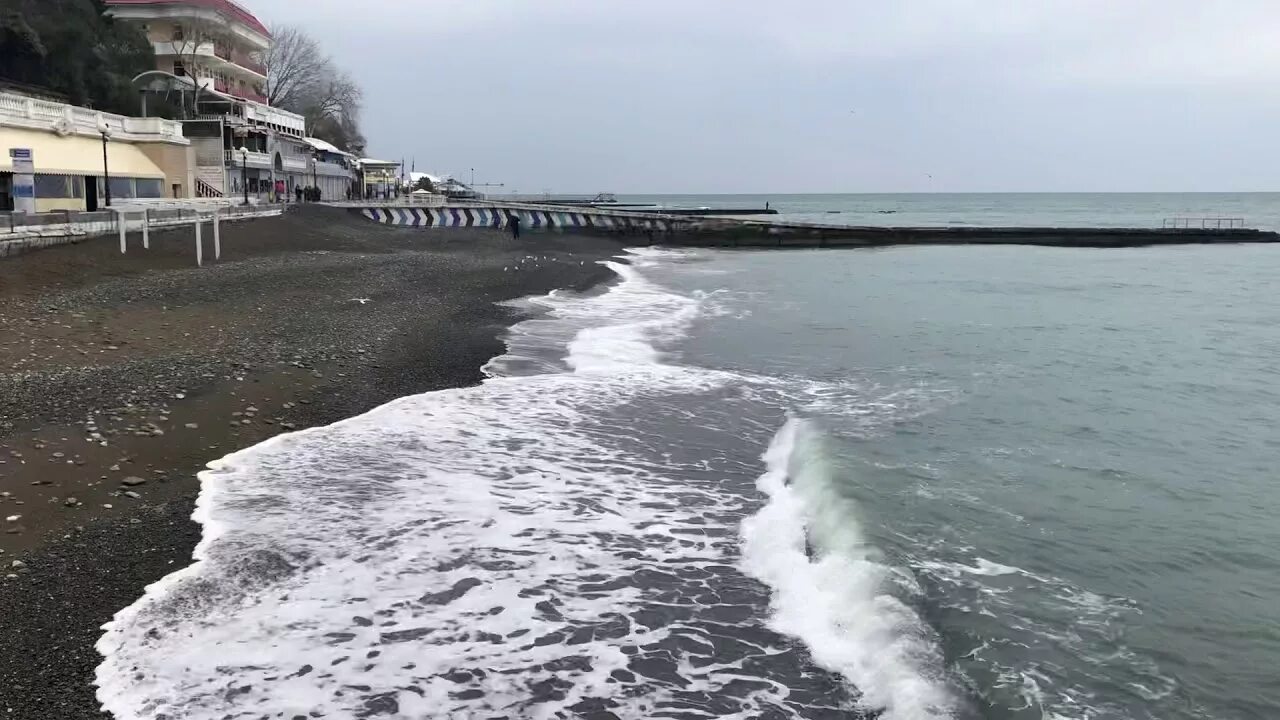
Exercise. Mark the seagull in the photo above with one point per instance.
(362, 301)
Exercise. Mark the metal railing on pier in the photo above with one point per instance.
(1202, 223)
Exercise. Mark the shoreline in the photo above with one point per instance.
(124, 376)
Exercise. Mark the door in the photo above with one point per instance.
(91, 194)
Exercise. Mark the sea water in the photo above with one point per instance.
(988, 482)
(1129, 210)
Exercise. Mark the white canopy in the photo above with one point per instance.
(324, 146)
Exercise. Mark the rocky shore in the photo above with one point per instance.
(121, 376)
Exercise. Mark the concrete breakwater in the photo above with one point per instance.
(700, 231)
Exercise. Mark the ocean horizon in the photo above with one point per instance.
(1259, 210)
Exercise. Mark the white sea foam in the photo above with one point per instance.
(831, 587)
(527, 548)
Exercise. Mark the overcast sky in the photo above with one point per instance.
(816, 95)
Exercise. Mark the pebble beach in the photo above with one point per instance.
(121, 376)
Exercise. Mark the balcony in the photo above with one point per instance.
(224, 58)
(248, 95)
(22, 111)
(255, 160)
(294, 163)
(245, 61)
(329, 169)
(257, 111)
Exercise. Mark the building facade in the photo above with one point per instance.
(333, 171)
(243, 146)
(217, 43)
(74, 168)
(380, 178)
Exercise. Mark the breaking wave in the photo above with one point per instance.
(565, 539)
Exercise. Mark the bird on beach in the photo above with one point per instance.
(362, 301)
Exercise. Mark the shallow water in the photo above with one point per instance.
(920, 482)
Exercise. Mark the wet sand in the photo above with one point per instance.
(121, 376)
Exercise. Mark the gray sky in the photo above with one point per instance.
(816, 95)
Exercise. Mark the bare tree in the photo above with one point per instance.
(302, 79)
(187, 41)
(295, 65)
(335, 97)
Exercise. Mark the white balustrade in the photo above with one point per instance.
(22, 111)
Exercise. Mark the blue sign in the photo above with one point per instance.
(24, 180)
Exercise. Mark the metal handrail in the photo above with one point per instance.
(1202, 223)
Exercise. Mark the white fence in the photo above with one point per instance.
(24, 233)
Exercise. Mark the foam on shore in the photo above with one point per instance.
(531, 547)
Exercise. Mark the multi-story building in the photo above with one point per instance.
(83, 157)
(216, 42)
(333, 171)
(243, 145)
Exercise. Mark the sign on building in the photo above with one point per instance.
(24, 180)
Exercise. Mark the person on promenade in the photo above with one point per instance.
(297, 191)
(515, 226)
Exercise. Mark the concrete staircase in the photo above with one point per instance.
(210, 181)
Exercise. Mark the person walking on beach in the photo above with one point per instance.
(515, 226)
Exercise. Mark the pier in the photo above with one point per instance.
(711, 231)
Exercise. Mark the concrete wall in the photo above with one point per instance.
(53, 204)
(209, 151)
(210, 163)
(178, 163)
(531, 218)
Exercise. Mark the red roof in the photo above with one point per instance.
(226, 7)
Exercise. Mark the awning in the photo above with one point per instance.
(324, 146)
(75, 155)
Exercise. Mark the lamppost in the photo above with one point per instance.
(243, 134)
(105, 129)
(244, 172)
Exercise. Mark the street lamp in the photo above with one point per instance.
(105, 129)
(244, 172)
(243, 134)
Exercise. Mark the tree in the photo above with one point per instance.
(21, 52)
(424, 183)
(193, 33)
(302, 79)
(342, 132)
(73, 49)
(295, 64)
(334, 97)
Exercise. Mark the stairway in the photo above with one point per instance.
(209, 181)
(205, 190)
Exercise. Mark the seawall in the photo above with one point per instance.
(702, 231)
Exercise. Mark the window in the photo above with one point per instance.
(122, 187)
(179, 69)
(178, 34)
(148, 188)
(53, 186)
